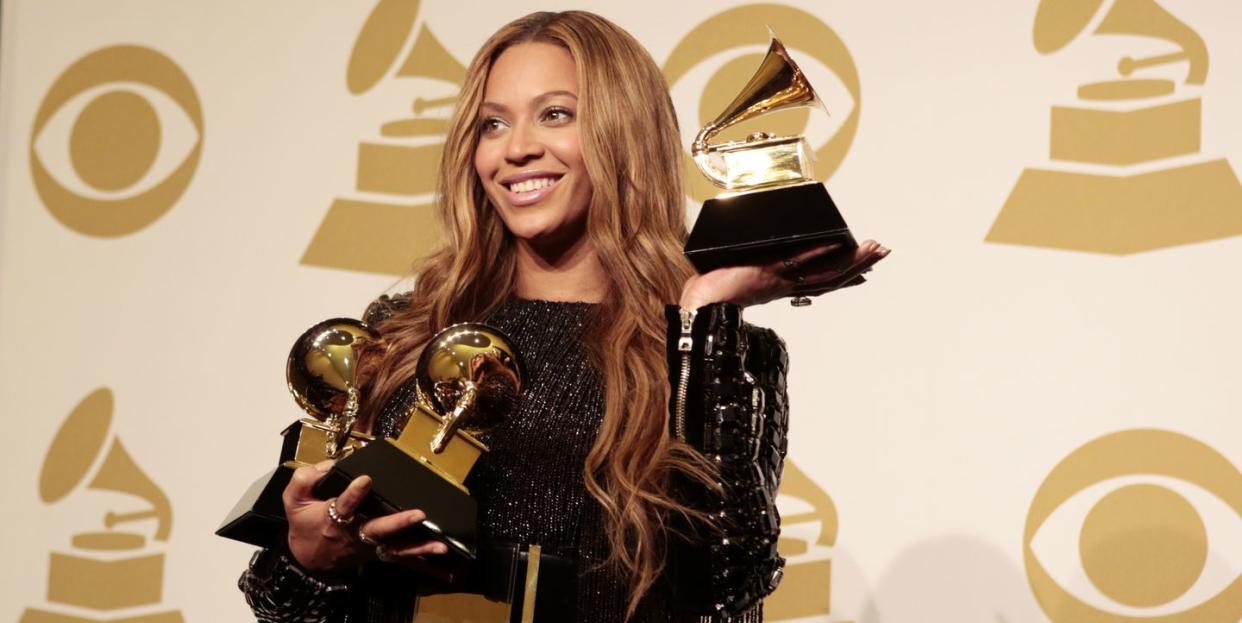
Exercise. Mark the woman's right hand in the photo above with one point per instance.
(322, 545)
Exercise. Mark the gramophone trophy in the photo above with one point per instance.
(467, 381)
(774, 205)
(321, 373)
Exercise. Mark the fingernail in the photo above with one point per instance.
(442, 549)
(417, 517)
(364, 481)
(323, 466)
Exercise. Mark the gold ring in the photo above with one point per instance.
(336, 516)
(362, 536)
(800, 301)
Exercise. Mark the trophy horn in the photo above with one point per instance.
(778, 84)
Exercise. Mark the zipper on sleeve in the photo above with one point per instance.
(685, 346)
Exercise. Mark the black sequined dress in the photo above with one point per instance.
(529, 484)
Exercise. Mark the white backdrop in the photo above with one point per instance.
(940, 412)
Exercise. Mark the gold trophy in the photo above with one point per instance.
(467, 381)
(774, 204)
(321, 372)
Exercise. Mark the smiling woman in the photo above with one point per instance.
(560, 193)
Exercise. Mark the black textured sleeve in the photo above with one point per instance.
(728, 402)
(279, 591)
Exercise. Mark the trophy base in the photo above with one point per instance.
(258, 518)
(400, 482)
(761, 225)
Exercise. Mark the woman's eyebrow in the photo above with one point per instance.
(559, 93)
(494, 106)
(538, 99)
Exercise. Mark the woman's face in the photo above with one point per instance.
(529, 157)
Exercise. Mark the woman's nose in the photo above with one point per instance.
(524, 143)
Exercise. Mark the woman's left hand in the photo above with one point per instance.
(754, 284)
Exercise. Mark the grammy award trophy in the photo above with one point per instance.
(467, 381)
(773, 205)
(321, 372)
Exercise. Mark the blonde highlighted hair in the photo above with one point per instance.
(635, 223)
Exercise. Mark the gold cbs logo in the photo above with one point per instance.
(1158, 522)
(124, 111)
(111, 574)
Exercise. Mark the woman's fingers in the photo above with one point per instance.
(407, 548)
(807, 256)
(819, 278)
(349, 499)
(301, 487)
(382, 529)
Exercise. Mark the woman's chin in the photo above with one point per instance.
(549, 241)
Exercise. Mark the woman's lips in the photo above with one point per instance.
(531, 196)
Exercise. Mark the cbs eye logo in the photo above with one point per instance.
(116, 141)
(1139, 525)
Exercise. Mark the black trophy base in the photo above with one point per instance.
(763, 225)
(258, 518)
(400, 482)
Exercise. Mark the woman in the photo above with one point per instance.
(560, 193)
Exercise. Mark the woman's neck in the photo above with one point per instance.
(573, 273)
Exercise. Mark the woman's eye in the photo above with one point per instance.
(558, 115)
(490, 125)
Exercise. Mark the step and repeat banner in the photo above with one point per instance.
(1029, 414)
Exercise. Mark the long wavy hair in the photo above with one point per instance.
(635, 223)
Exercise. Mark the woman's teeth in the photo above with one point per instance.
(531, 184)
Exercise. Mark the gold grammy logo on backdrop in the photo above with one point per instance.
(1141, 503)
(118, 176)
(807, 537)
(384, 235)
(1122, 125)
(744, 26)
(110, 573)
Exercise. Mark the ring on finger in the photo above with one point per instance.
(790, 263)
(383, 553)
(800, 301)
(365, 538)
(336, 516)
(800, 279)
